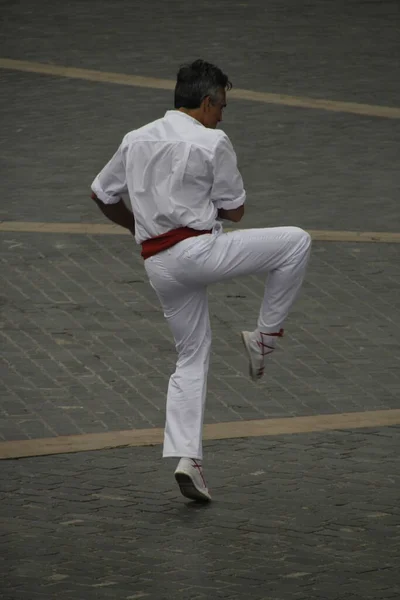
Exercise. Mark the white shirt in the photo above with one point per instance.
(176, 172)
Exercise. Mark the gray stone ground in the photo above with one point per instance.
(300, 517)
(313, 168)
(85, 348)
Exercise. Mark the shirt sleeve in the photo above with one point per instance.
(110, 183)
(227, 190)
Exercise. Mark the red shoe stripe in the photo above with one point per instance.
(262, 344)
(200, 469)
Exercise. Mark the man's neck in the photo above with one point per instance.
(192, 112)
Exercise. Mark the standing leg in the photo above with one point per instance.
(186, 311)
(190, 326)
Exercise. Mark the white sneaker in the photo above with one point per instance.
(190, 478)
(258, 345)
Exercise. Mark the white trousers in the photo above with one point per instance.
(180, 277)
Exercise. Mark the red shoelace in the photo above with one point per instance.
(262, 345)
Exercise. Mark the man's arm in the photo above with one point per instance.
(108, 187)
(118, 213)
(235, 214)
(227, 192)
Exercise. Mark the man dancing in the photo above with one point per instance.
(182, 178)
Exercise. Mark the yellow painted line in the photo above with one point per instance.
(81, 228)
(389, 112)
(370, 110)
(217, 431)
(354, 236)
(319, 235)
(86, 74)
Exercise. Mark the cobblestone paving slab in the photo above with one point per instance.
(304, 517)
(85, 347)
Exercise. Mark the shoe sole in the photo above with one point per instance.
(253, 374)
(188, 489)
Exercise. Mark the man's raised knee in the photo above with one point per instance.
(303, 237)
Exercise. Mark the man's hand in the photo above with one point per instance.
(235, 215)
(117, 213)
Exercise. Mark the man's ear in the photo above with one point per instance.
(205, 104)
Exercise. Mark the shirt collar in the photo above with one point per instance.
(180, 114)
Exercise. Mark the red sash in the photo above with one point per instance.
(166, 240)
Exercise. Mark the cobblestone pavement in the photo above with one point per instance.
(325, 48)
(86, 348)
(85, 345)
(294, 517)
(312, 168)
